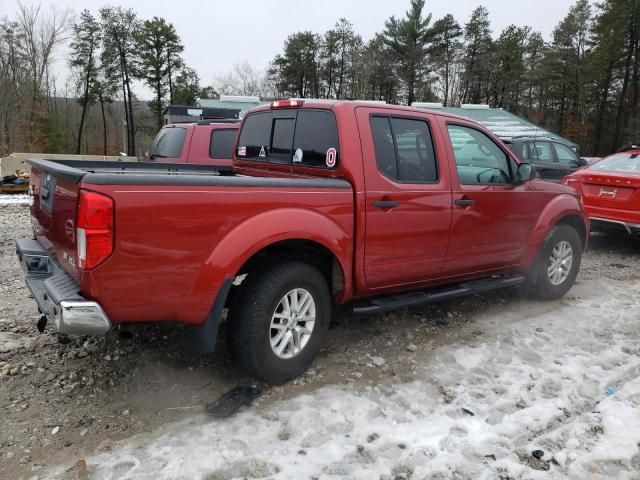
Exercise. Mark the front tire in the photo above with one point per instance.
(279, 321)
(557, 264)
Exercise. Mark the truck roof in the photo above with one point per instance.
(353, 104)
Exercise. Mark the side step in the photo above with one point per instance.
(411, 299)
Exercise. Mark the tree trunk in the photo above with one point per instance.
(602, 107)
(170, 78)
(104, 124)
(620, 117)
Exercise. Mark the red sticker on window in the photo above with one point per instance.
(331, 157)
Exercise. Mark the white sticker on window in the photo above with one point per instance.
(262, 154)
(331, 157)
(297, 157)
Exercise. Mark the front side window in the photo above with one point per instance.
(307, 138)
(565, 154)
(222, 141)
(404, 149)
(168, 143)
(478, 159)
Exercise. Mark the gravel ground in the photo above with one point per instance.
(62, 398)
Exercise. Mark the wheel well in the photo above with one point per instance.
(302, 250)
(577, 223)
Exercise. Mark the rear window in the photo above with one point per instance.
(307, 138)
(169, 142)
(620, 163)
(222, 141)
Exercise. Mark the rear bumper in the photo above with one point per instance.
(607, 224)
(56, 293)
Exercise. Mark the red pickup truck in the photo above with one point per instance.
(207, 142)
(328, 202)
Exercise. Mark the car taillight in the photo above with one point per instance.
(571, 182)
(94, 234)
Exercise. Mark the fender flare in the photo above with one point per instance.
(265, 229)
(555, 211)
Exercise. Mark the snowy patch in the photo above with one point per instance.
(566, 382)
(17, 199)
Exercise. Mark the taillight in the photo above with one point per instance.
(571, 182)
(94, 234)
(286, 103)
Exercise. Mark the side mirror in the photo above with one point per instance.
(525, 173)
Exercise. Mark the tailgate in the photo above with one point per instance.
(621, 192)
(55, 189)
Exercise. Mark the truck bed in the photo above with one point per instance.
(178, 229)
(131, 173)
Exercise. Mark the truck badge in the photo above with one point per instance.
(608, 193)
(297, 157)
(263, 154)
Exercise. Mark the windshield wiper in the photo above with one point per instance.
(156, 155)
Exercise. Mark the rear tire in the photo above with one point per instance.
(557, 264)
(279, 321)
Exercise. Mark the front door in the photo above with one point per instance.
(492, 218)
(408, 198)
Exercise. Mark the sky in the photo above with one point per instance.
(219, 34)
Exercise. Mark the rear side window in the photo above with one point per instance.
(307, 138)
(542, 152)
(222, 141)
(169, 142)
(404, 149)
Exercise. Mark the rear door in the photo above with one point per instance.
(408, 198)
(543, 155)
(492, 217)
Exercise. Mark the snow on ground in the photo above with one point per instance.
(565, 382)
(15, 199)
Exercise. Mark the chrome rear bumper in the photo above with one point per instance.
(56, 293)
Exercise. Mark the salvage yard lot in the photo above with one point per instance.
(464, 389)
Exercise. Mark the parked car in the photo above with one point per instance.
(328, 202)
(610, 190)
(207, 142)
(553, 159)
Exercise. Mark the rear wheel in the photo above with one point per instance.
(279, 321)
(557, 263)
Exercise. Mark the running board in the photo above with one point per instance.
(412, 299)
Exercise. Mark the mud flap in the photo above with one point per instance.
(202, 338)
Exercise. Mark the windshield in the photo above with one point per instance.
(168, 143)
(620, 163)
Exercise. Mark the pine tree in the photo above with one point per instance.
(84, 58)
(158, 45)
(408, 38)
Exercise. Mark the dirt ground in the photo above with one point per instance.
(62, 398)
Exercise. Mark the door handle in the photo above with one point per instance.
(465, 202)
(385, 204)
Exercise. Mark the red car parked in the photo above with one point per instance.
(207, 142)
(328, 202)
(610, 191)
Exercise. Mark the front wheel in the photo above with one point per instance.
(279, 321)
(557, 263)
